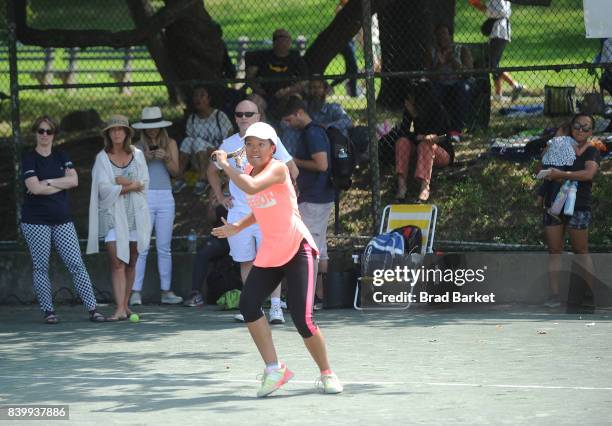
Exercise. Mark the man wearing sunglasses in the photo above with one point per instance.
(243, 246)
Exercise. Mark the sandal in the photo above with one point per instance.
(95, 316)
(115, 318)
(51, 318)
(424, 195)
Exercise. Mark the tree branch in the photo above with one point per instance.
(85, 38)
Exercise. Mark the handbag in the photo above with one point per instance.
(559, 100)
(487, 26)
(593, 102)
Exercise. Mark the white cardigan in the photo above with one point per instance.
(105, 194)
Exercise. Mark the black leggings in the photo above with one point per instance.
(301, 274)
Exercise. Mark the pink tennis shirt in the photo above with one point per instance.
(282, 230)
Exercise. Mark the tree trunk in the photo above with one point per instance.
(334, 37)
(141, 11)
(195, 45)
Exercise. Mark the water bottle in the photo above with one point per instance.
(557, 205)
(192, 241)
(568, 209)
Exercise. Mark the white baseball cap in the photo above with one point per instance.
(261, 130)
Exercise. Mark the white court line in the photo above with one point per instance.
(308, 382)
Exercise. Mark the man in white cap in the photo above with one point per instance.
(243, 246)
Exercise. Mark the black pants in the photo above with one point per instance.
(301, 274)
(213, 249)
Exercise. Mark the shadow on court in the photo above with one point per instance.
(431, 365)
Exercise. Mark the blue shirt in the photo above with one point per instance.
(45, 209)
(315, 187)
(332, 115)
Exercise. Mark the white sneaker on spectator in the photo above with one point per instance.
(169, 298)
(239, 318)
(276, 315)
(135, 298)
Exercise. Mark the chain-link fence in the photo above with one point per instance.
(431, 70)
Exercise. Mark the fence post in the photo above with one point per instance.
(15, 120)
(366, 20)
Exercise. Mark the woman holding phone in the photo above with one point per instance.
(161, 153)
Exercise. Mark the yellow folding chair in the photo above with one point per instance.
(422, 215)
(397, 215)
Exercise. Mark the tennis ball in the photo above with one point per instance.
(134, 318)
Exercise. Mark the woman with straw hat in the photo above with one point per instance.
(161, 153)
(118, 210)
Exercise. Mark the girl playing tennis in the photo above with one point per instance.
(287, 250)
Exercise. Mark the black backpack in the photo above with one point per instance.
(342, 159)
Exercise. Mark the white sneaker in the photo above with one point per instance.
(276, 315)
(135, 298)
(239, 318)
(329, 383)
(169, 298)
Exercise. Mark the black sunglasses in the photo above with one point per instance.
(583, 127)
(42, 131)
(241, 114)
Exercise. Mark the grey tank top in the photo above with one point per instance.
(159, 177)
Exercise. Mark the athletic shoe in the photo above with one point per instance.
(135, 298)
(553, 302)
(329, 383)
(178, 186)
(274, 380)
(195, 301)
(200, 187)
(169, 298)
(276, 315)
(239, 318)
(516, 91)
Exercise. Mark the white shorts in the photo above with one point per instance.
(316, 217)
(244, 245)
(111, 236)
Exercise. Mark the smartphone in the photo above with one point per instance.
(153, 147)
